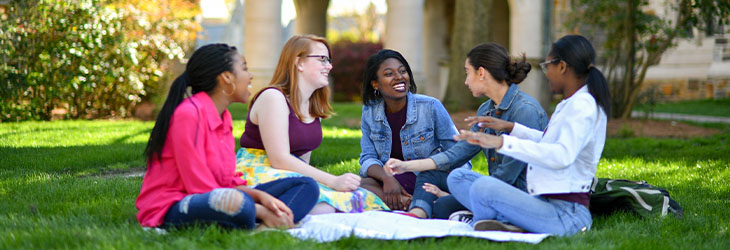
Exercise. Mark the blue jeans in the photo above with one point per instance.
(492, 199)
(445, 206)
(433, 206)
(232, 208)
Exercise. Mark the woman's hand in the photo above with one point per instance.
(272, 203)
(272, 220)
(482, 139)
(434, 190)
(490, 122)
(345, 183)
(395, 166)
(394, 193)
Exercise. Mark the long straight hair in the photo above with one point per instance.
(200, 74)
(579, 54)
(285, 76)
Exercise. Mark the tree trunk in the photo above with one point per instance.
(470, 28)
(311, 17)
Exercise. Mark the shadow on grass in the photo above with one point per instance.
(73, 159)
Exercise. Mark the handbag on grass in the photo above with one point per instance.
(610, 195)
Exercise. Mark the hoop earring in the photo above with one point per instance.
(376, 92)
(229, 94)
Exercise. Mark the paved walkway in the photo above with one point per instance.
(681, 117)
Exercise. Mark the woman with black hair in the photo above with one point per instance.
(191, 177)
(397, 123)
(561, 160)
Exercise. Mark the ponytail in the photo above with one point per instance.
(159, 132)
(598, 87)
(200, 75)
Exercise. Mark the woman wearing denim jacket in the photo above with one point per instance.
(396, 123)
(489, 72)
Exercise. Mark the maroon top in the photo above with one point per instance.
(580, 198)
(396, 120)
(303, 137)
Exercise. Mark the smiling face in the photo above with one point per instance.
(242, 78)
(314, 68)
(393, 80)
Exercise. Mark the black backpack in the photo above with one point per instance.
(610, 195)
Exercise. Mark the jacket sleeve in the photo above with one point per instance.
(572, 130)
(509, 169)
(458, 153)
(368, 154)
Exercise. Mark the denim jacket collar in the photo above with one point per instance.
(410, 116)
(507, 100)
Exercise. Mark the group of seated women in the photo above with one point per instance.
(413, 159)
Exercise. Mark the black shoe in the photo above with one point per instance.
(493, 225)
(463, 216)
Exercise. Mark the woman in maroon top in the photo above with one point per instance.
(283, 127)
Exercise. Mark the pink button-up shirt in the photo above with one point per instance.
(198, 156)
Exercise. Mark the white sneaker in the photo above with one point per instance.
(464, 216)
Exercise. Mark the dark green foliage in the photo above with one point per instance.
(85, 58)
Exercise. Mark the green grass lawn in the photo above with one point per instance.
(56, 191)
(708, 107)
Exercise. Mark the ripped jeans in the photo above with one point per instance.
(232, 208)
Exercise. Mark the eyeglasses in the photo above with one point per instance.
(323, 59)
(543, 65)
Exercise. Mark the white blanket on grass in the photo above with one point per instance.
(391, 226)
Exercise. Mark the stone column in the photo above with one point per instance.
(404, 33)
(526, 29)
(435, 53)
(311, 17)
(263, 42)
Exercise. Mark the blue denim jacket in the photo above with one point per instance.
(516, 107)
(428, 130)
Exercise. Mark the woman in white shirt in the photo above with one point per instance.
(561, 160)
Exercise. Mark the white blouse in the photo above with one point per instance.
(562, 159)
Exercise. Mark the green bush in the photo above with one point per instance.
(88, 58)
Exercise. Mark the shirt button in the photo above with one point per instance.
(405, 143)
(509, 146)
(530, 167)
(491, 159)
(421, 138)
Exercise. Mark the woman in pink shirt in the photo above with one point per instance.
(191, 177)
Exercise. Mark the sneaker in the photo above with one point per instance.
(493, 225)
(463, 216)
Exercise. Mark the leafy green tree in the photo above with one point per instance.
(93, 59)
(636, 37)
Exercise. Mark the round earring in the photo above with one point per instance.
(229, 94)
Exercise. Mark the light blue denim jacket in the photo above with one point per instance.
(428, 130)
(516, 107)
